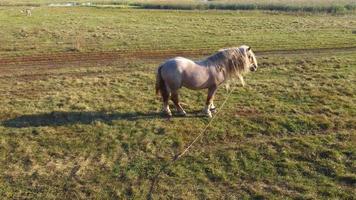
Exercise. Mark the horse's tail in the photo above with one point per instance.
(160, 85)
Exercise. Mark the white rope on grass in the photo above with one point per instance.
(156, 177)
(206, 127)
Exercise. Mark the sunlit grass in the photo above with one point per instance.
(95, 131)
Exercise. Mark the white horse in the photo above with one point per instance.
(27, 11)
(208, 73)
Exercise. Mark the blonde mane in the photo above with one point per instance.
(233, 60)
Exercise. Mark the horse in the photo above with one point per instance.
(27, 11)
(209, 73)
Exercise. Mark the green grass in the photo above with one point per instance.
(96, 29)
(94, 130)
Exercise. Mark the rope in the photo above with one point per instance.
(206, 127)
(156, 177)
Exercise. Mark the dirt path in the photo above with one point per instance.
(60, 58)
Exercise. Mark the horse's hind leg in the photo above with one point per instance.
(175, 99)
(165, 97)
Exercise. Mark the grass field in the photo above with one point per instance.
(92, 129)
(95, 29)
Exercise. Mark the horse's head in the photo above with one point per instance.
(251, 61)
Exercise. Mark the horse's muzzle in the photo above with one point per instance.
(253, 68)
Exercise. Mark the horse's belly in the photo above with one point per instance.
(196, 82)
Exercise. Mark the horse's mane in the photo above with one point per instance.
(232, 60)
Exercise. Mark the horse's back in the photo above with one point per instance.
(180, 71)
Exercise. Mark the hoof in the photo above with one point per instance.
(208, 114)
(168, 114)
(213, 110)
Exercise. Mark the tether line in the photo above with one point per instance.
(155, 179)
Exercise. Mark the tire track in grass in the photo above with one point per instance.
(54, 59)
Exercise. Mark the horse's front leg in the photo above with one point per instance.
(242, 80)
(175, 99)
(209, 101)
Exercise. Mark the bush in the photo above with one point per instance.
(248, 6)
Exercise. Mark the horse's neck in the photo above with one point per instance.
(202, 63)
(219, 72)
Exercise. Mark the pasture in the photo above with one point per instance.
(79, 118)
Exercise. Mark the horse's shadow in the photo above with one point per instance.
(59, 118)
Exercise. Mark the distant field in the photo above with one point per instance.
(79, 118)
(327, 6)
(110, 29)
